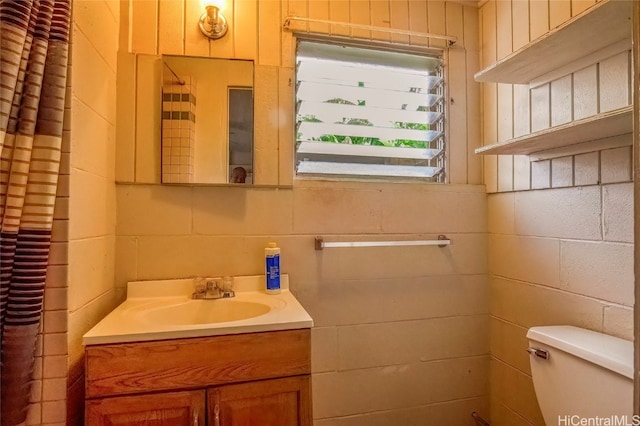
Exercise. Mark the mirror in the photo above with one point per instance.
(207, 121)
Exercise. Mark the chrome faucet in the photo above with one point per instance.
(213, 288)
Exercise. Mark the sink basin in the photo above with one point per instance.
(164, 309)
(201, 312)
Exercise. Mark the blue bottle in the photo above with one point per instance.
(272, 268)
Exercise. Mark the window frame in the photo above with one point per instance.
(438, 53)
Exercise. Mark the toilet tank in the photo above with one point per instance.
(586, 374)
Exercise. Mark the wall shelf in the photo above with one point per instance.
(589, 34)
(600, 126)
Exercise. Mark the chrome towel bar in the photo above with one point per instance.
(442, 241)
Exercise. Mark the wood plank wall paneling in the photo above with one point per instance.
(400, 20)
(143, 27)
(171, 38)
(380, 15)
(515, 110)
(339, 11)
(318, 10)
(458, 170)
(285, 126)
(418, 21)
(359, 13)
(504, 30)
(269, 29)
(266, 124)
(255, 33)
(194, 44)
(579, 6)
(559, 12)
(245, 27)
(539, 18)
(436, 22)
(474, 139)
(520, 15)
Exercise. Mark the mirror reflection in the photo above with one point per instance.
(207, 120)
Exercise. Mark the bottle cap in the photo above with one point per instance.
(272, 245)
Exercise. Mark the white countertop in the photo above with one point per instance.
(160, 310)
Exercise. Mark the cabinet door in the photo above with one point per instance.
(161, 409)
(277, 402)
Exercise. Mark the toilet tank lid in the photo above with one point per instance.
(610, 352)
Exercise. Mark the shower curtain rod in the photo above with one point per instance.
(180, 81)
(451, 40)
(442, 241)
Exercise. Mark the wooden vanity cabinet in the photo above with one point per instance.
(260, 379)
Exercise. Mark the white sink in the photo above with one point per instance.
(158, 310)
(198, 311)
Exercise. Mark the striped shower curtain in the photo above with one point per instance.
(34, 45)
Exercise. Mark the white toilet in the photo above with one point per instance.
(579, 373)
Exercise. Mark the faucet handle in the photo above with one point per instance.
(213, 284)
(199, 284)
(227, 284)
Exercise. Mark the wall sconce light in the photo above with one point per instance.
(212, 23)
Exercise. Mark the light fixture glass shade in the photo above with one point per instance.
(212, 23)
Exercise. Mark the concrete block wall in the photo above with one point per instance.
(560, 222)
(400, 333)
(91, 234)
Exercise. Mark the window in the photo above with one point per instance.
(363, 112)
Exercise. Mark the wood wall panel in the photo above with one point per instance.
(245, 29)
(359, 14)
(521, 110)
(418, 20)
(319, 9)
(505, 112)
(474, 140)
(225, 47)
(504, 42)
(505, 173)
(585, 92)
(520, 14)
(148, 130)
(539, 18)
(454, 20)
(380, 16)
(195, 44)
(339, 11)
(436, 22)
(579, 6)
(399, 13)
(266, 124)
(561, 100)
(171, 21)
(143, 27)
(286, 37)
(540, 108)
(488, 39)
(457, 122)
(285, 125)
(256, 33)
(559, 12)
(269, 29)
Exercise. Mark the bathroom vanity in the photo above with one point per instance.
(183, 371)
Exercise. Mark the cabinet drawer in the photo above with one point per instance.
(129, 368)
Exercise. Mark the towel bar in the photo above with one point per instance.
(442, 241)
